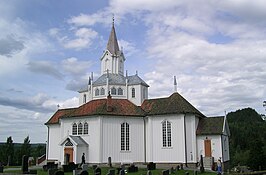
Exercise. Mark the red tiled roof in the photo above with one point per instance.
(119, 107)
(170, 105)
(175, 104)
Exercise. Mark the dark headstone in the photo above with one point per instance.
(172, 170)
(177, 168)
(123, 167)
(98, 171)
(195, 172)
(201, 164)
(165, 172)
(149, 172)
(70, 167)
(151, 166)
(1, 169)
(111, 172)
(52, 171)
(132, 168)
(110, 162)
(181, 167)
(122, 172)
(59, 173)
(187, 173)
(94, 167)
(25, 165)
(50, 165)
(84, 172)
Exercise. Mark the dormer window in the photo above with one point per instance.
(97, 92)
(113, 91)
(120, 91)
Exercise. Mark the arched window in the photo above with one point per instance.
(133, 93)
(124, 136)
(84, 98)
(113, 91)
(86, 128)
(74, 129)
(120, 91)
(80, 128)
(102, 91)
(97, 92)
(167, 132)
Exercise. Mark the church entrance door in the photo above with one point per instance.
(68, 152)
(207, 147)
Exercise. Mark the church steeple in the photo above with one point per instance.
(112, 59)
(112, 45)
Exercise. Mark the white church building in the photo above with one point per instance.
(116, 119)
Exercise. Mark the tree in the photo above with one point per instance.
(26, 147)
(256, 157)
(9, 149)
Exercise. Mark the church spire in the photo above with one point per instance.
(112, 45)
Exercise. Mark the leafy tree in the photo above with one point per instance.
(9, 149)
(26, 147)
(256, 156)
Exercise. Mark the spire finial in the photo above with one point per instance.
(175, 84)
(113, 19)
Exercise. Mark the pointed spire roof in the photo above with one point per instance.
(112, 45)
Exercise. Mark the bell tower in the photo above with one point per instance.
(113, 59)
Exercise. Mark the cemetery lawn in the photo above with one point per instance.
(142, 171)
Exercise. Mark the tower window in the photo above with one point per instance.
(113, 91)
(133, 93)
(120, 91)
(84, 98)
(97, 92)
(102, 91)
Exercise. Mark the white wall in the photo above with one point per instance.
(225, 142)
(53, 142)
(191, 138)
(138, 99)
(93, 138)
(111, 139)
(216, 146)
(155, 151)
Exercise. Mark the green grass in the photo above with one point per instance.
(142, 171)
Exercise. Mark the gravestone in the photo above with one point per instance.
(59, 173)
(118, 170)
(165, 172)
(195, 172)
(201, 164)
(52, 171)
(181, 166)
(25, 166)
(94, 167)
(1, 168)
(84, 172)
(187, 173)
(76, 171)
(122, 172)
(177, 168)
(98, 171)
(110, 162)
(123, 167)
(151, 166)
(84, 167)
(132, 168)
(111, 172)
(172, 170)
(149, 172)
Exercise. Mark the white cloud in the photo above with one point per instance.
(75, 67)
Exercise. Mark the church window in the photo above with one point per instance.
(102, 91)
(120, 91)
(80, 128)
(133, 93)
(144, 93)
(166, 130)
(74, 129)
(86, 128)
(84, 98)
(124, 136)
(113, 91)
(97, 92)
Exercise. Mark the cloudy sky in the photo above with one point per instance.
(216, 49)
